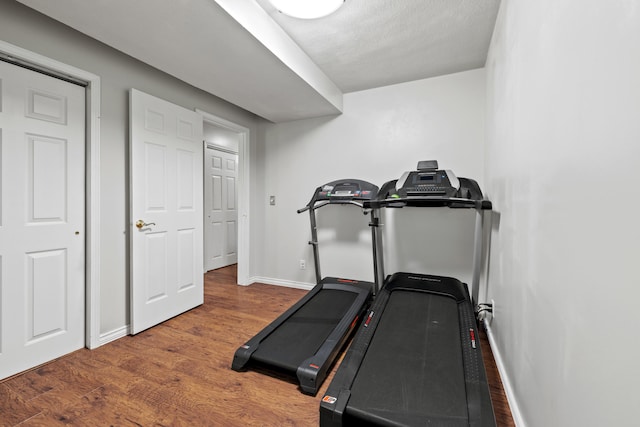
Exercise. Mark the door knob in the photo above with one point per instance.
(140, 223)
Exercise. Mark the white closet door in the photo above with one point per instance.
(42, 143)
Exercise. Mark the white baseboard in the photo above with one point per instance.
(281, 282)
(506, 381)
(113, 335)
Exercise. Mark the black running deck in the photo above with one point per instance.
(415, 361)
(304, 341)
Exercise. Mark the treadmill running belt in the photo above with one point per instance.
(305, 331)
(414, 373)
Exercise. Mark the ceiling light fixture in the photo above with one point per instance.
(307, 9)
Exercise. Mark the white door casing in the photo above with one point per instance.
(244, 192)
(166, 192)
(221, 225)
(42, 223)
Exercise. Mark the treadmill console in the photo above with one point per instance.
(346, 189)
(430, 186)
(428, 181)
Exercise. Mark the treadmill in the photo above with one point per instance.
(306, 339)
(416, 358)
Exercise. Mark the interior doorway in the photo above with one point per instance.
(232, 139)
(221, 196)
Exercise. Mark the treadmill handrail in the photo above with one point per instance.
(318, 205)
(311, 202)
(430, 201)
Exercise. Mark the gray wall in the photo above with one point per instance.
(563, 161)
(30, 30)
(382, 133)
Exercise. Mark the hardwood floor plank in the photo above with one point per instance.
(179, 373)
(106, 405)
(31, 384)
(13, 408)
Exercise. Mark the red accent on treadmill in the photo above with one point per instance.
(355, 320)
(366, 323)
(472, 334)
(314, 366)
(347, 281)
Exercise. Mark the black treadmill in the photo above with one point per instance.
(416, 358)
(306, 339)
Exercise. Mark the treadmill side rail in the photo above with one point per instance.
(312, 371)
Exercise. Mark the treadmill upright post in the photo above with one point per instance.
(378, 261)
(477, 256)
(314, 242)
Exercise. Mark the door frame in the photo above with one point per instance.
(92, 175)
(244, 182)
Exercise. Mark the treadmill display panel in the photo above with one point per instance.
(432, 183)
(351, 189)
(429, 186)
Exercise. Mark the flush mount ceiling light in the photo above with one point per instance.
(307, 9)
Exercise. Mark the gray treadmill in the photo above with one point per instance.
(306, 339)
(416, 358)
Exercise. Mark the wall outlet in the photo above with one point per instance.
(303, 264)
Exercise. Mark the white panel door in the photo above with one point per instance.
(222, 208)
(166, 158)
(42, 140)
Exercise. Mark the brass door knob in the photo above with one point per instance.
(140, 223)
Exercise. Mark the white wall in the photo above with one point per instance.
(563, 161)
(382, 133)
(30, 30)
(221, 137)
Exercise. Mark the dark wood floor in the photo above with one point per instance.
(178, 373)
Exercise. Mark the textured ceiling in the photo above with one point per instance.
(372, 43)
(282, 68)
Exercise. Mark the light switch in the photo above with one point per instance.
(272, 200)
